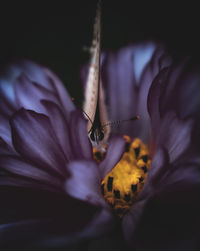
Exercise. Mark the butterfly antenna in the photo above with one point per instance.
(87, 116)
(73, 100)
(117, 122)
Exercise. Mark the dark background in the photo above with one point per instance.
(54, 34)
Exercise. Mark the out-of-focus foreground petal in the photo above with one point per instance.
(41, 133)
(31, 219)
(168, 206)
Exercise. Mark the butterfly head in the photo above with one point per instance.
(96, 135)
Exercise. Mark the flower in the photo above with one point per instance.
(46, 157)
(42, 136)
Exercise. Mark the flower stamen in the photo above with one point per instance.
(124, 183)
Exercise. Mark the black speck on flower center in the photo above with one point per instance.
(117, 194)
(137, 151)
(124, 183)
(109, 183)
(134, 188)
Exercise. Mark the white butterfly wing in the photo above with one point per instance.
(94, 94)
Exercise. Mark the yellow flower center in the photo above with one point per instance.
(123, 184)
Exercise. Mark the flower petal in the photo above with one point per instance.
(38, 74)
(131, 222)
(84, 182)
(62, 93)
(80, 143)
(16, 166)
(29, 94)
(60, 126)
(114, 153)
(35, 140)
(171, 213)
(5, 133)
(175, 135)
(128, 75)
(6, 148)
(119, 83)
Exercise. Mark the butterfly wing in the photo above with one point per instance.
(94, 105)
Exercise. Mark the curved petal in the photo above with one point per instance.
(158, 170)
(36, 73)
(62, 93)
(6, 148)
(80, 143)
(154, 99)
(29, 94)
(35, 140)
(114, 153)
(84, 182)
(5, 133)
(131, 222)
(174, 134)
(60, 126)
(128, 75)
(171, 213)
(14, 165)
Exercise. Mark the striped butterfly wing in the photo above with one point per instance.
(94, 105)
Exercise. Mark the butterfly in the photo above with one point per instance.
(94, 106)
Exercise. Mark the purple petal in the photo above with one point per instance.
(6, 148)
(60, 126)
(128, 75)
(80, 143)
(158, 170)
(15, 165)
(119, 81)
(113, 155)
(61, 91)
(84, 182)
(35, 140)
(153, 67)
(154, 99)
(183, 174)
(37, 74)
(174, 134)
(102, 223)
(5, 133)
(29, 94)
(131, 222)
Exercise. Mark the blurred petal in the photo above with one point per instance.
(5, 148)
(37, 74)
(29, 94)
(61, 90)
(60, 126)
(84, 182)
(128, 75)
(35, 140)
(131, 222)
(113, 155)
(80, 143)
(174, 134)
(5, 133)
(14, 165)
